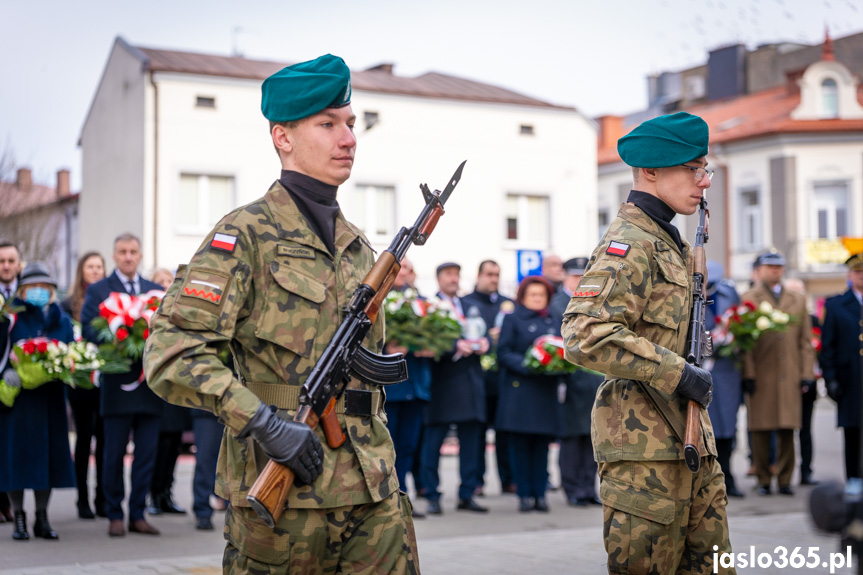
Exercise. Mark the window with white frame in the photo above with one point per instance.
(375, 211)
(527, 220)
(829, 99)
(202, 200)
(829, 213)
(750, 219)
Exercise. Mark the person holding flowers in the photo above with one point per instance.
(528, 406)
(775, 372)
(34, 446)
(127, 403)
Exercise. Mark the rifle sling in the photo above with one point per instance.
(357, 402)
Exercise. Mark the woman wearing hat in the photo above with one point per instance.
(34, 446)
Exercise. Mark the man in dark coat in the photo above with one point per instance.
(128, 404)
(577, 465)
(492, 308)
(457, 397)
(841, 356)
(10, 267)
(728, 393)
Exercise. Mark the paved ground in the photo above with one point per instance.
(566, 540)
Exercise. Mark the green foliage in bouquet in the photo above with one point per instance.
(740, 327)
(419, 324)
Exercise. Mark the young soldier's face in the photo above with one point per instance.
(323, 146)
(678, 188)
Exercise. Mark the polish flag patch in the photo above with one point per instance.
(618, 249)
(224, 242)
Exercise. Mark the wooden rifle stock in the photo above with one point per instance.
(270, 491)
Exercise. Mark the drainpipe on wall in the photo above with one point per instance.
(155, 170)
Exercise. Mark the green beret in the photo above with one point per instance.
(304, 89)
(665, 141)
(855, 262)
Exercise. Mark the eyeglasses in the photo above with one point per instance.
(699, 172)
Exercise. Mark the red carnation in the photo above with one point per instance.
(29, 348)
(750, 305)
(42, 346)
(146, 333)
(129, 320)
(122, 333)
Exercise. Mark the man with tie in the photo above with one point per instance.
(457, 396)
(10, 267)
(841, 358)
(127, 403)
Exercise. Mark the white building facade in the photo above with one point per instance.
(173, 141)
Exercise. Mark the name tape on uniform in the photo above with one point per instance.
(618, 249)
(224, 242)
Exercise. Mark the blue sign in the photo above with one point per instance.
(529, 263)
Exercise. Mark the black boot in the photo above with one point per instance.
(20, 532)
(84, 511)
(99, 504)
(41, 527)
(168, 505)
(155, 507)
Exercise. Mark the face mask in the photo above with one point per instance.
(38, 296)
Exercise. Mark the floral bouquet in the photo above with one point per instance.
(545, 356)
(418, 324)
(123, 326)
(740, 327)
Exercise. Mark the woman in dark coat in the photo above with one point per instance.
(528, 406)
(85, 402)
(34, 445)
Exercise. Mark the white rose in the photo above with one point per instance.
(765, 307)
(779, 317)
(762, 323)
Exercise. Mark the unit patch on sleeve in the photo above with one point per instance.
(224, 242)
(618, 249)
(590, 286)
(205, 285)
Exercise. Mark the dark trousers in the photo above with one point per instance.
(805, 434)
(469, 447)
(529, 455)
(88, 424)
(784, 456)
(577, 467)
(208, 439)
(852, 452)
(501, 447)
(724, 449)
(167, 452)
(145, 432)
(405, 423)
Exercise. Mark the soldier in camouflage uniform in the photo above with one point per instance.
(629, 319)
(269, 283)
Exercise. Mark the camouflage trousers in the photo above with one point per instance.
(371, 539)
(660, 518)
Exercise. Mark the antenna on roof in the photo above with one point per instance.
(235, 50)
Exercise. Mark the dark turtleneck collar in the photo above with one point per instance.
(658, 211)
(317, 202)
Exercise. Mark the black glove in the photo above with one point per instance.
(11, 377)
(696, 384)
(806, 385)
(834, 390)
(748, 386)
(290, 443)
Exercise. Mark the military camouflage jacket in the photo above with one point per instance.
(629, 319)
(264, 284)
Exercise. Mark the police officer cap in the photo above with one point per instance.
(772, 257)
(36, 273)
(446, 265)
(855, 262)
(575, 266)
(665, 141)
(304, 89)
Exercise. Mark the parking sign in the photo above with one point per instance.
(529, 263)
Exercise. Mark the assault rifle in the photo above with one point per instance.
(344, 356)
(700, 343)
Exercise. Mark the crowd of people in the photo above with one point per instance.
(35, 451)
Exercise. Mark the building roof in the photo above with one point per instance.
(377, 79)
(18, 199)
(765, 113)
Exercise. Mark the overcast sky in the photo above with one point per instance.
(591, 54)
